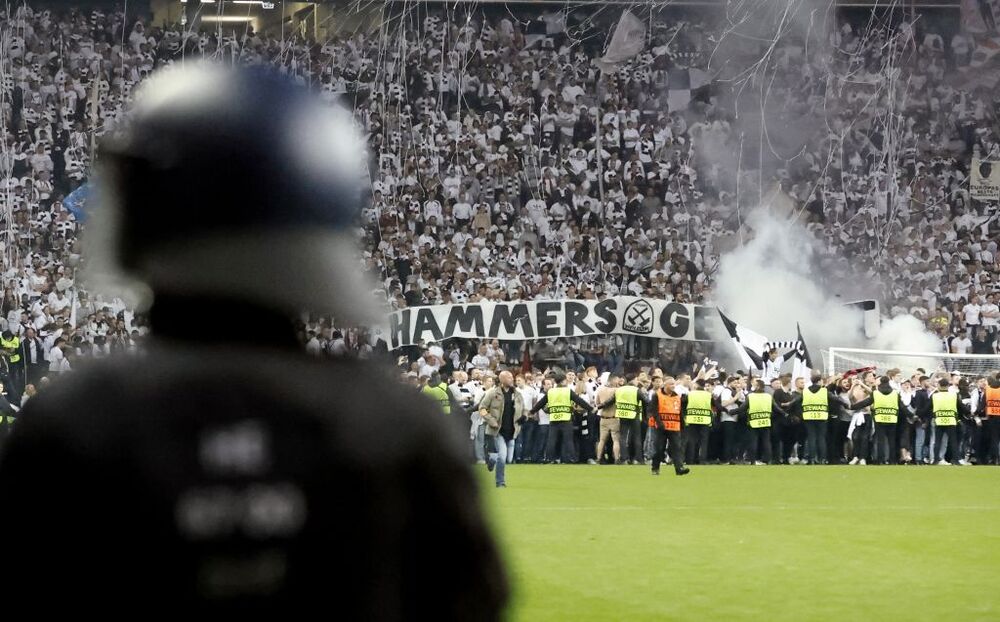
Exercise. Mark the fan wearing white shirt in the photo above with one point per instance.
(971, 312)
(58, 362)
(462, 211)
(961, 344)
(989, 314)
(481, 360)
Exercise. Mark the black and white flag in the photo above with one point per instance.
(751, 347)
(803, 362)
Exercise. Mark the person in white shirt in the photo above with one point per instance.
(429, 364)
(462, 211)
(961, 344)
(462, 390)
(772, 365)
(57, 359)
(313, 346)
(481, 360)
(971, 312)
(989, 314)
(525, 447)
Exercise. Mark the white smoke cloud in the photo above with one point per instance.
(905, 333)
(773, 281)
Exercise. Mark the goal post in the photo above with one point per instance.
(840, 360)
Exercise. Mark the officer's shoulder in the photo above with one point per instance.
(353, 393)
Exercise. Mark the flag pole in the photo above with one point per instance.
(600, 177)
(597, 128)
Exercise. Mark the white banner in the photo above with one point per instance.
(550, 319)
(984, 180)
(627, 41)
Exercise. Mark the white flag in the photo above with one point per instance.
(626, 43)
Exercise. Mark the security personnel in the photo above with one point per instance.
(11, 346)
(629, 402)
(945, 407)
(697, 423)
(991, 412)
(886, 405)
(438, 392)
(224, 478)
(665, 415)
(758, 409)
(558, 401)
(815, 405)
(610, 424)
(8, 415)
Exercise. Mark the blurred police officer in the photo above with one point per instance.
(228, 471)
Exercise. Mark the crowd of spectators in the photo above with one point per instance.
(505, 166)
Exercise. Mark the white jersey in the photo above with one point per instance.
(529, 395)
(772, 369)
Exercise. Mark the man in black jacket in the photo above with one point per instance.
(231, 473)
(922, 426)
(33, 352)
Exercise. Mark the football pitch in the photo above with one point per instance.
(750, 543)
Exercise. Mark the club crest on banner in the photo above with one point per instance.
(638, 318)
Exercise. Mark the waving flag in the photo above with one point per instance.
(626, 43)
(803, 362)
(681, 83)
(750, 346)
(76, 201)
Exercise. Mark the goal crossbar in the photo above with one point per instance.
(885, 356)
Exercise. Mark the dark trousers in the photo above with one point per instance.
(15, 382)
(904, 435)
(885, 443)
(660, 440)
(966, 437)
(861, 437)
(631, 435)
(586, 440)
(792, 433)
(836, 439)
(560, 442)
(731, 440)
(951, 431)
(760, 444)
(993, 431)
(541, 442)
(696, 443)
(815, 449)
(777, 434)
(524, 449)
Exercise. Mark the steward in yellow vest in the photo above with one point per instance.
(697, 423)
(757, 411)
(945, 407)
(438, 391)
(558, 401)
(886, 405)
(11, 346)
(630, 404)
(815, 401)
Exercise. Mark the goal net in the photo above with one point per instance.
(840, 360)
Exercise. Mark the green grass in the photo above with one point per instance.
(750, 543)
